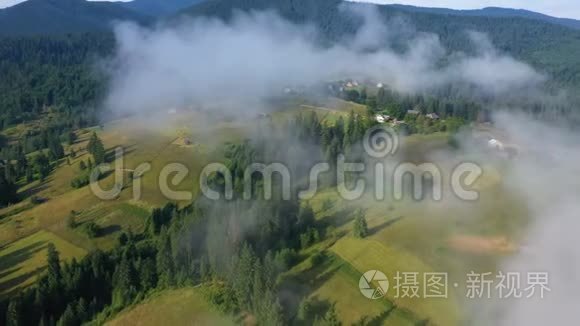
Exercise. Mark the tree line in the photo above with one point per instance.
(237, 264)
(35, 156)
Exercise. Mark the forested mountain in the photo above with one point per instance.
(42, 72)
(58, 71)
(62, 16)
(495, 12)
(155, 8)
(550, 48)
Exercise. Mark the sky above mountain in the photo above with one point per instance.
(557, 8)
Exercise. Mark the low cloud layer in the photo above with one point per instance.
(209, 62)
(545, 175)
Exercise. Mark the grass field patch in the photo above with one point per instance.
(22, 261)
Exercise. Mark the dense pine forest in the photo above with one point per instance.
(51, 74)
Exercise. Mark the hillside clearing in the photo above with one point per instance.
(173, 307)
(22, 261)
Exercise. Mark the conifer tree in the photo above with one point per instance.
(69, 317)
(331, 317)
(360, 229)
(54, 270)
(8, 191)
(165, 264)
(82, 310)
(42, 165)
(148, 274)
(126, 282)
(243, 276)
(14, 312)
(95, 147)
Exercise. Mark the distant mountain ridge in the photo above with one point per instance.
(494, 12)
(157, 8)
(63, 16)
(73, 16)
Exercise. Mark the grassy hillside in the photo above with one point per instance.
(409, 236)
(335, 281)
(454, 237)
(159, 145)
(23, 260)
(173, 307)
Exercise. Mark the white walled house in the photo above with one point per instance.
(495, 144)
(381, 118)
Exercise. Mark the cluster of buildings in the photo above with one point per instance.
(383, 118)
(345, 85)
(495, 144)
(351, 84)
